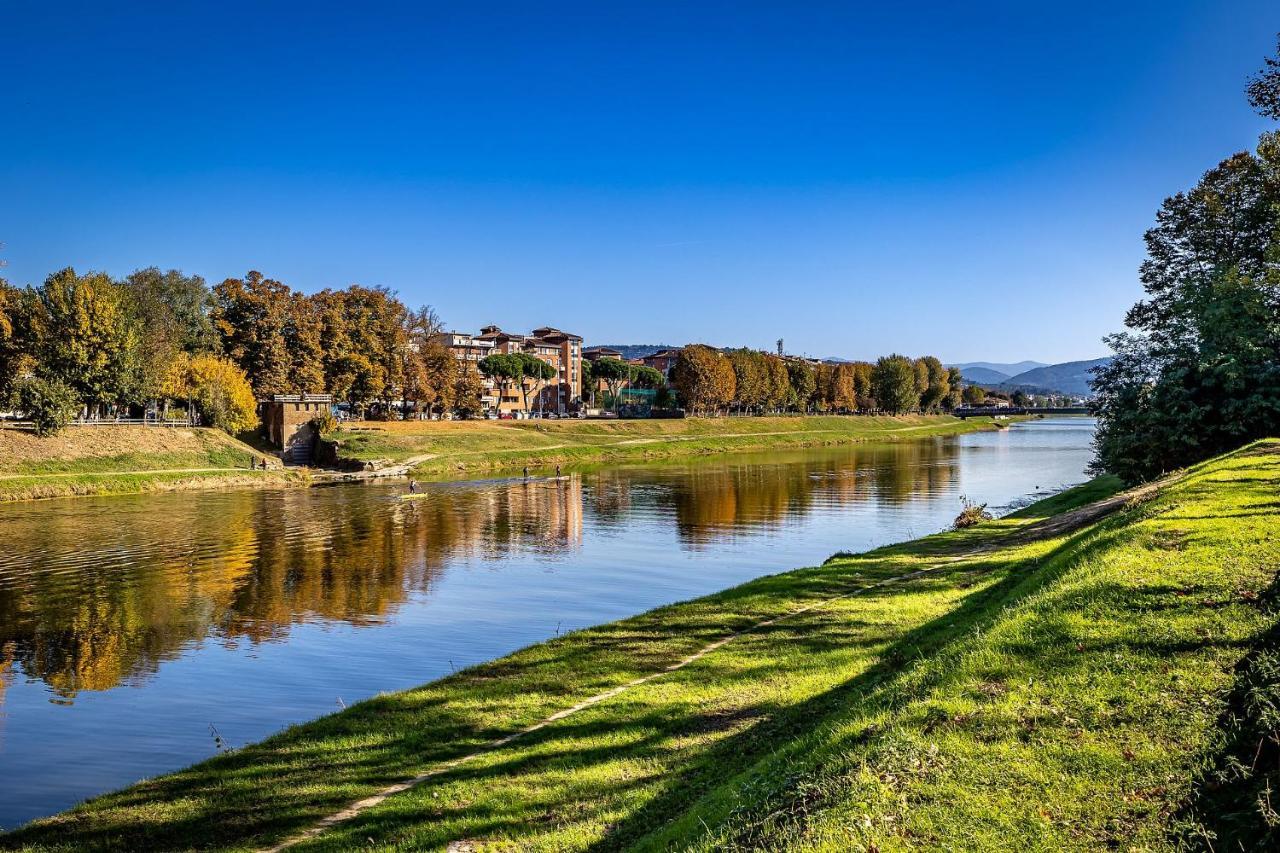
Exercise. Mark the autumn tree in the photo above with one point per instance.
(751, 378)
(974, 395)
(779, 383)
(894, 384)
(467, 390)
(304, 342)
(862, 387)
(704, 378)
(251, 314)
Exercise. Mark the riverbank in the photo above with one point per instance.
(1052, 680)
(114, 459)
(447, 448)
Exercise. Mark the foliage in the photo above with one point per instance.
(324, 423)
(704, 378)
(802, 383)
(1264, 87)
(937, 384)
(614, 372)
(974, 395)
(85, 336)
(222, 394)
(49, 403)
(1199, 373)
(971, 513)
(894, 384)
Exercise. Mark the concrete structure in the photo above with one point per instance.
(562, 350)
(287, 419)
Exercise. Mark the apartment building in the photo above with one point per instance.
(562, 350)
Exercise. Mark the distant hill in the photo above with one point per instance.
(983, 376)
(1072, 377)
(636, 350)
(1009, 370)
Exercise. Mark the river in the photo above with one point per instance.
(137, 631)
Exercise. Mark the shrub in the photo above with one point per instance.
(49, 403)
(222, 394)
(324, 423)
(970, 514)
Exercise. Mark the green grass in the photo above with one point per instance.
(1027, 693)
(441, 448)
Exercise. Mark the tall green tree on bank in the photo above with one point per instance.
(1199, 372)
(893, 382)
(615, 373)
(86, 337)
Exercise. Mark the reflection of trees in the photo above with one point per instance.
(91, 600)
(709, 501)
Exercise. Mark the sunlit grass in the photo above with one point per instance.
(440, 448)
(1055, 694)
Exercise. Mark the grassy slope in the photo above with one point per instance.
(124, 459)
(440, 447)
(1040, 694)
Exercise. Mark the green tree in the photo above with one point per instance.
(1199, 374)
(49, 403)
(802, 383)
(504, 369)
(1264, 87)
(88, 338)
(536, 372)
(974, 395)
(955, 384)
(615, 374)
(937, 385)
(894, 384)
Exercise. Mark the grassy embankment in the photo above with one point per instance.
(449, 447)
(126, 459)
(1040, 682)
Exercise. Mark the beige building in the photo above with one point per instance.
(563, 351)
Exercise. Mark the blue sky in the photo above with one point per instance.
(968, 180)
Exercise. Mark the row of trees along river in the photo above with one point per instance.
(1198, 373)
(89, 342)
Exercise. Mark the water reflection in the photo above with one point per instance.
(88, 603)
(94, 597)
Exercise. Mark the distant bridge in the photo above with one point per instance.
(986, 412)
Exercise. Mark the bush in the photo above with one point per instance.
(222, 394)
(49, 403)
(324, 424)
(970, 514)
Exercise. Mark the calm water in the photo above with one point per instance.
(131, 626)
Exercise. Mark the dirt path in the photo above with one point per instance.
(1052, 527)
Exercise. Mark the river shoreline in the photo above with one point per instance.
(226, 465)
(691, 723)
